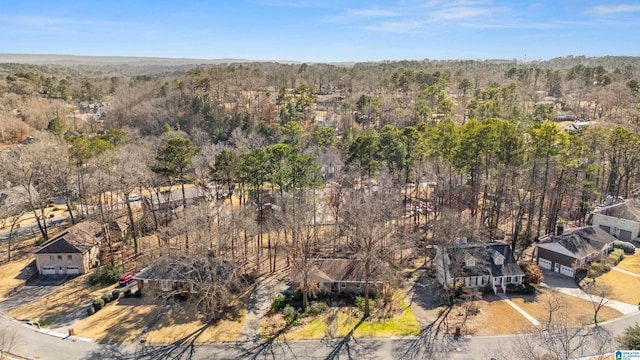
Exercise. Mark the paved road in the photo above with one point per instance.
(32, 228)
(31, 343)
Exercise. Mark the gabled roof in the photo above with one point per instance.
(485, 255)
(79, 238)
(579, 242)
(185, 269)
(628, 210)
(331, 270)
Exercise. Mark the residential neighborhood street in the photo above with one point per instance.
(30, 342)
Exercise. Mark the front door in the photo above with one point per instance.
(557, 267)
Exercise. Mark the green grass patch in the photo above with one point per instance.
(404, 324)
(317, 328)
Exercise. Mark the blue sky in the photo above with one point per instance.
(323, 30)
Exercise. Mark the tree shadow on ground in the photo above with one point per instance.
(432, 342)
(344, 344)
(180, 349)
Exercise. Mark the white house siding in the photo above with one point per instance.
(616, 225)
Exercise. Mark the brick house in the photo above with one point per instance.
(74, 251)
(335, 276)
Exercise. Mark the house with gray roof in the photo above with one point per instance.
(573, 250)
(74, 251)
(183, 275)
(478, 265)
(620, 218)
(334, 276)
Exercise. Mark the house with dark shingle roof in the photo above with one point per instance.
(73, 251)
(478, 265)
(573, 250)
(334, 276)
(183, 275)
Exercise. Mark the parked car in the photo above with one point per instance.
(135, 197)
(126, 279)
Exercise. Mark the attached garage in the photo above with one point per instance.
(625, 235)
(566, 271)
(72, 270)
(544, 263)
(49, 270)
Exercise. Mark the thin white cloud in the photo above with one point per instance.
(39, 21)
(614, 9)
(458, 13)
(373, 13)
(398, 27)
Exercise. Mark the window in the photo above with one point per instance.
(70, 257)
(358, 286)
(59, 257)
(508, 279)
(343, 285)
(50, 257)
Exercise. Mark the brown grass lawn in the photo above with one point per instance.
(180, 322)
(130, 318)
(630, 263)
(496, 317)
(52, 309)
(626, 288)
(119, 321)
(578, 311)
(14, 274)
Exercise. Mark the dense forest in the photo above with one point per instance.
(502, 149)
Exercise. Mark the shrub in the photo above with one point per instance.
(115, 294)
(107, 298)
(533, 274)
(39, 241)
(138, 294)
(616, 256)
(627, 247)
(127, 293)
(630, 339)
(317, 308)
(91, 310)
(278, 303)
(105, 275)
(289, 313)
(98, 303)
(359, 302)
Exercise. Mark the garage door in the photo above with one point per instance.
(48, 270)
(72, 270)
(625, 235)
(565, 270)
(544, 263)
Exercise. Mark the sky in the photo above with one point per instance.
(322, 30)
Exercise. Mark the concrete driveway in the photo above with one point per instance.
(568, 286)
(35, 288)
